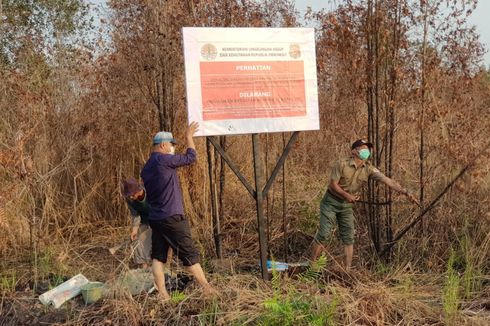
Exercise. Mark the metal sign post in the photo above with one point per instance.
(260, 191)
(259, 200)
(214, 205)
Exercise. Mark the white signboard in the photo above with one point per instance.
(251, 80)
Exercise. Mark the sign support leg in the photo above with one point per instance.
(259, 197)
(214, 203)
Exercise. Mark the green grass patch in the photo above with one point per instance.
(209, 316)
(8, 282)
(289, 307)
(450, 295)
(177, 297)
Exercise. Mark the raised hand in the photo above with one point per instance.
(192, 129)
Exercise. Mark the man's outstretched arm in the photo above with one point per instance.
(396, 186)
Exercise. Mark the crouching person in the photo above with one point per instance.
(135, 196)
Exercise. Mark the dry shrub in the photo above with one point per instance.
(65, 151)
(377, 304)
(400, 298)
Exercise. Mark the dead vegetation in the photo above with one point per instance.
(74, 122)
(390, 297)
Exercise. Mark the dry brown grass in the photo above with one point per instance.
(64, 153)
(389, 296)
(74, 230)
(242, 301)
(406, 292)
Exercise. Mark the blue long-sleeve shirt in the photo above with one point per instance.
(162, 185)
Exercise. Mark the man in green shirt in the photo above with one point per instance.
(135, 196)
(346, 179)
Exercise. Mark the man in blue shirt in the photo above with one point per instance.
(169, 226)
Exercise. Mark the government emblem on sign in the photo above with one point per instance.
(294, 51)
(209, 52)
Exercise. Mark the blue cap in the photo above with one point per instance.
(164, 137)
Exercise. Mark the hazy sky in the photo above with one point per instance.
(480, 18)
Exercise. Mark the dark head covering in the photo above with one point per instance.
(361, 142)
(130, 187)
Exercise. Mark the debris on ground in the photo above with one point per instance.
(132, 282)
(64, 292)
(281, 266)
(138, 281)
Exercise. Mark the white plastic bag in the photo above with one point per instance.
(64, 291)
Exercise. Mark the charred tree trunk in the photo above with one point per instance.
(383, 43)
(422, 115)
(373, 111)
(390, 119)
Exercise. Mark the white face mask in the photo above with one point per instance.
(172, 150)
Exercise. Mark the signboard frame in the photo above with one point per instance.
(290, 81)
(251, 80)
